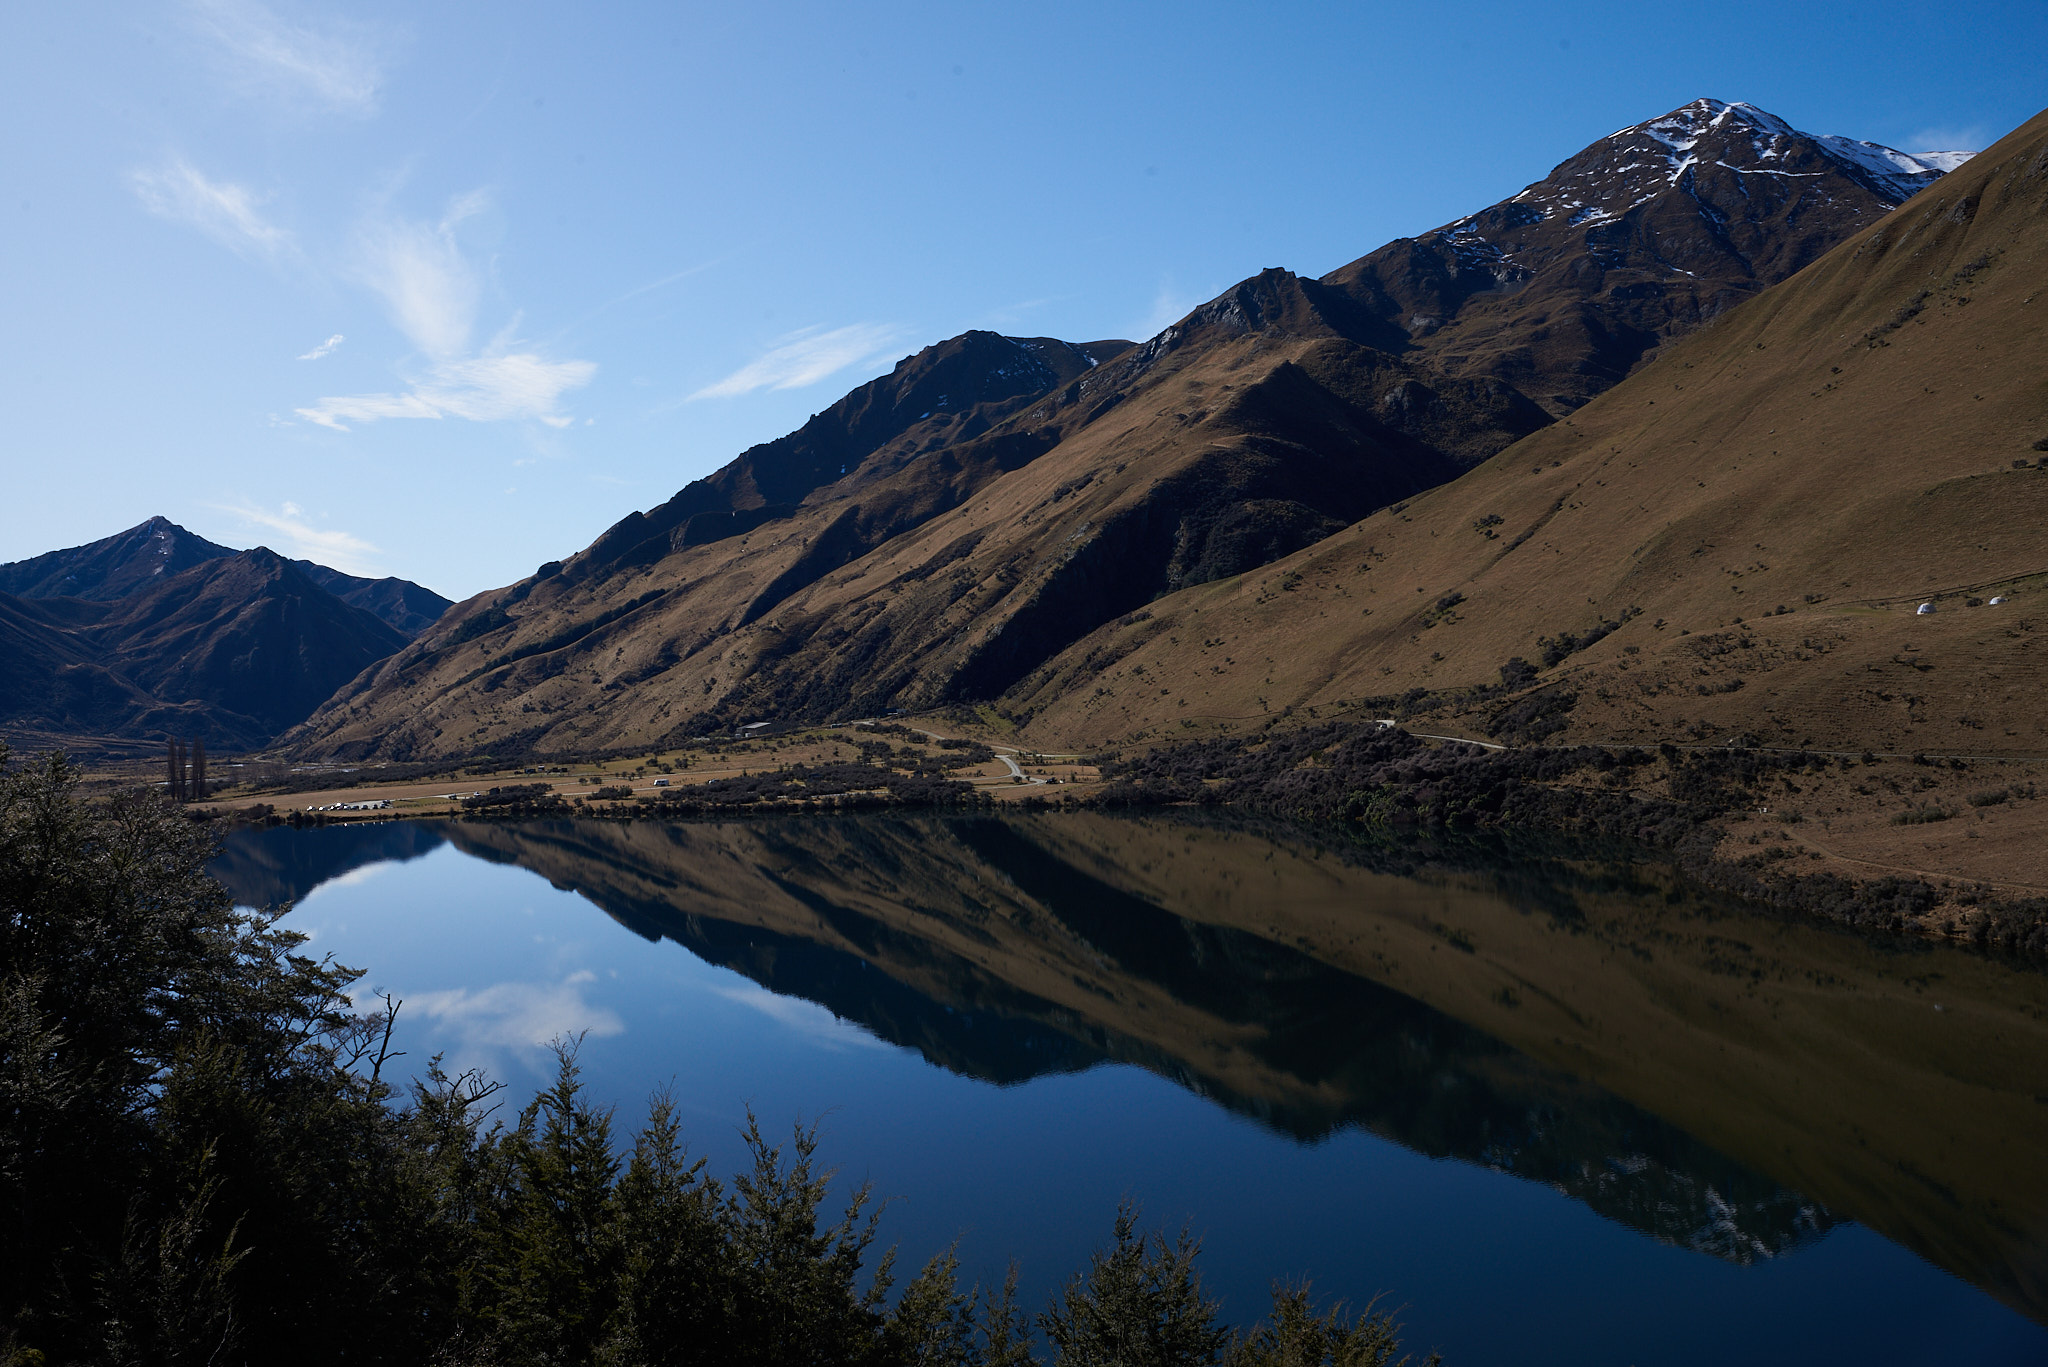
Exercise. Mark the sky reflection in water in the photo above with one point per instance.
(492, 962)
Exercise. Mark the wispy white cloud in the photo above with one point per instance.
(303, 541)
(803, 358)
(1011, 317)
(433, 293)
(650, 287)
(1169, 306)
(339, 410)
(335, 66)
(483, 389)
(426, 282)
(325, 348)
(1967, 138)
(224, 211)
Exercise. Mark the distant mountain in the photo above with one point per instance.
(400, 604)
(143, 556)
(945, 531)
(114, 567)
(234, 650)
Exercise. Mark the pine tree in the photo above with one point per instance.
(1139, 1304)
(555, 1270)
(1296, 1336)
(676, 1284)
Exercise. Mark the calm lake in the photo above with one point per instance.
(1560, 1109)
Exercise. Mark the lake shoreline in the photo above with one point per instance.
(1709, 813)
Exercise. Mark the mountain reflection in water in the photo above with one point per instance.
(1711, 1078)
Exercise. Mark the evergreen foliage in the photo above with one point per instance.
(202, 1161)
(1139, 1304)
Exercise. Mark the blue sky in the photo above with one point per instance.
(444, 290)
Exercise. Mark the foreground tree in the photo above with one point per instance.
(1139, 1304)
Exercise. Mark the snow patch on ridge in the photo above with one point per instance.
(1901, 172)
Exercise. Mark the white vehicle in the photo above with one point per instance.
(1925, 610)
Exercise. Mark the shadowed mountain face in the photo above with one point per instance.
(233, 650)
(159, 632)
(1714, 1078)
(142, 557)
(407, 608)
(110, 569)
(942, 532)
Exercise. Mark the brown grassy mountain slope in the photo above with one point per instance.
(934, 569)
(1766, 504)
(947, 395)
(943, 531)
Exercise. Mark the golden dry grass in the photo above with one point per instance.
(1843, 447)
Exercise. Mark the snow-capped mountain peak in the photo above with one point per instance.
(1633, 165)
(1656, 228)
(1734, 145)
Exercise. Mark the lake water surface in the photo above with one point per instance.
(1561, 1110)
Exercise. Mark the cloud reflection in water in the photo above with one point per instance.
(805, 1018)
(518, 1015)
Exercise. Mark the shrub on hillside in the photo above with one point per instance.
(521, 799)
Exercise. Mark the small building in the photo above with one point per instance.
(1925, 609)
